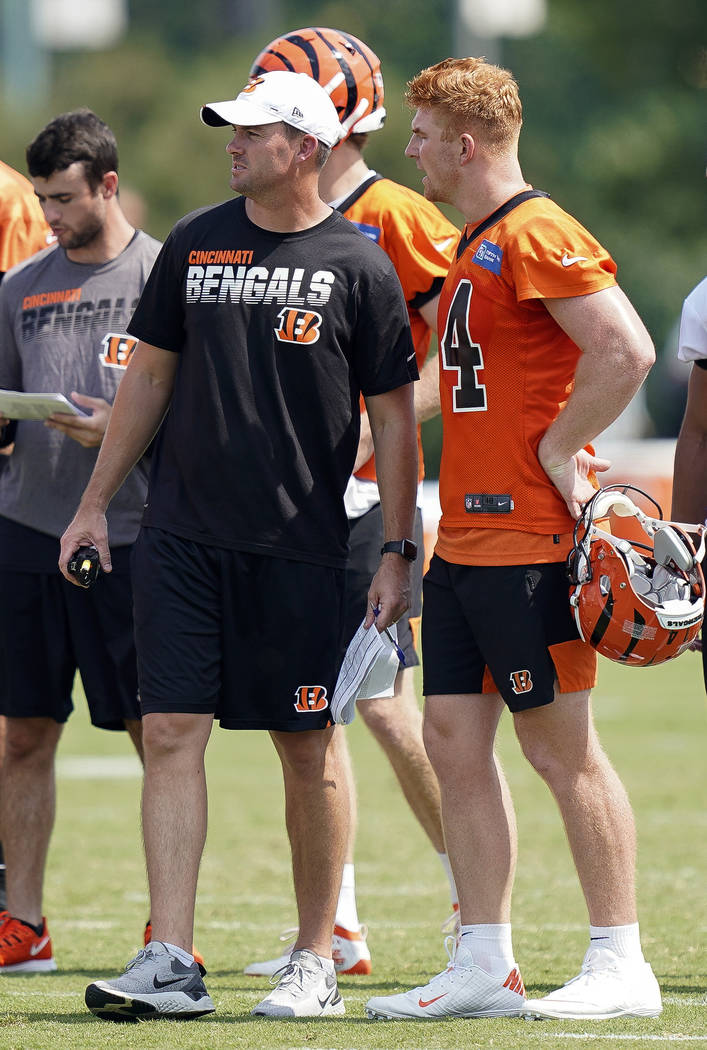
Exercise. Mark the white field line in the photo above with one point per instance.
(665, 1037)
(261, 927)
(98, 767)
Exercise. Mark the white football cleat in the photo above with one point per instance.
(606, 986)
(307, 988)
(348, 947)
(462, 990)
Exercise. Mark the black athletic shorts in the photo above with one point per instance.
(49, 628)
(253, 639)
(506, 629)
(365, 544)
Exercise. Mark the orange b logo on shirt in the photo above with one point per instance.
(298, 326)
(117, 350)
(311, 698)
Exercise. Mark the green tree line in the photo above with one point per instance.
(613, 93)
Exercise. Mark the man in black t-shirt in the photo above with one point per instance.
(263, 321)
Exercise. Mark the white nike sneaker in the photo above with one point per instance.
(462, 990)
(348, 948)
(307, 988)
(607, 986)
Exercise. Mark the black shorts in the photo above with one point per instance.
(49, 628)
(506, 629)
(255, 640)
(365, 544)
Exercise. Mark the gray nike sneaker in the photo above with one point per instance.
(306, 988)
(155, 984)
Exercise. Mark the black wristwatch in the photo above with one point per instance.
(406, 548)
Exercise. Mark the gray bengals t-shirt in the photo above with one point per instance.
(63, 327)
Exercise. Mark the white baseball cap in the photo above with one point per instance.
(294, 98)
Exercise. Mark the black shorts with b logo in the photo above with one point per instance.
(502, 628)
(253, 639)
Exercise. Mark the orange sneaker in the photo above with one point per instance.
(198, 958)
(21, 950)
(350, 951)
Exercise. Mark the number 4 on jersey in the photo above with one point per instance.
(461, 354)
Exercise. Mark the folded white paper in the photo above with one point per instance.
(16, 404)
(368, 671)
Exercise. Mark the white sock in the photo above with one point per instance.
(624, 941)
(182, 954)
(346, 914)
(444, 861)
(490, 947)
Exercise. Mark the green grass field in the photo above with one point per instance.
(653, 726)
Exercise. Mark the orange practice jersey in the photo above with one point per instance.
(23, 229)
(506, 371)
(420, 242)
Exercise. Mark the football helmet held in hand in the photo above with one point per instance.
(638, 604)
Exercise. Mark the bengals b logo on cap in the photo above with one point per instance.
(298, 326)
(521, 682)
(251, 85)
(311, 698)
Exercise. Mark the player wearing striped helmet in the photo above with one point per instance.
(344, 66)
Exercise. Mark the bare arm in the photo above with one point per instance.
(392, 419)
(426, 392)
(617, 354)
(427, 389)
(140, 404)
(690, 470)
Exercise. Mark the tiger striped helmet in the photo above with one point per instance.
(344, 66)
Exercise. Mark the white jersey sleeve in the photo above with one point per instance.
(692, 343)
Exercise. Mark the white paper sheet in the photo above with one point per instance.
(15, 404)
(368, 671)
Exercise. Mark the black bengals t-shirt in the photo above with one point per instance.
(277, 335)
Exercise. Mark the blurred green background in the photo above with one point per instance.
(614, 101)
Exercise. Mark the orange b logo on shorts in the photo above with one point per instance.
(311, 698)
(521, 681)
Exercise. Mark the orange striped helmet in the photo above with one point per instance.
(344, 66)
(637, 603)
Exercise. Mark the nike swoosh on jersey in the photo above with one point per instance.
(35, 949)
(423, 1003)
(441, 245)
(410, 357)
(568, 260)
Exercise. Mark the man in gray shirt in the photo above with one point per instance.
(63, 324)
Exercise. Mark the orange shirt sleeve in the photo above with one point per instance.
(555, 257)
